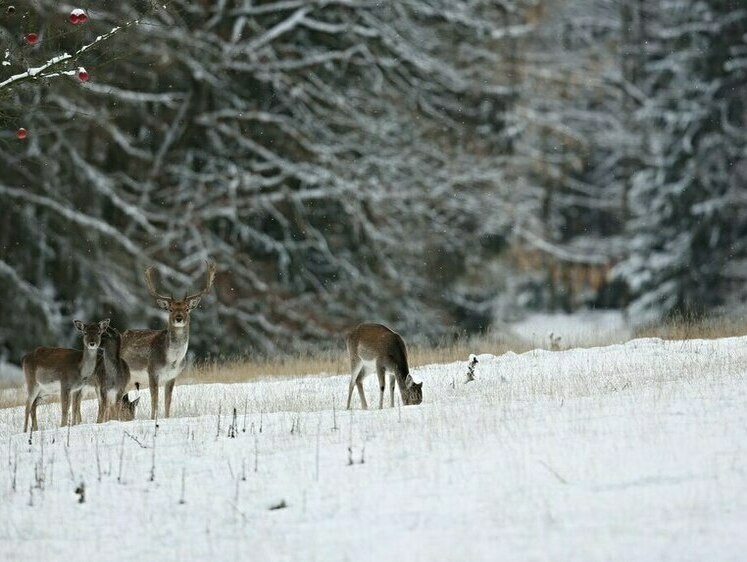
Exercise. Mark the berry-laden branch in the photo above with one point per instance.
(60, 64)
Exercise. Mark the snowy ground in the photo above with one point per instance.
(627, 452)
(10, 375)
(582, 328)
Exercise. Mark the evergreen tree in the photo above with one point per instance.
(685, 227)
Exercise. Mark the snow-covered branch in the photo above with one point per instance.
(59, 65)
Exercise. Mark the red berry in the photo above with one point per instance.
(82, 74)
(78, 16)
(21, 133)
(32, 38)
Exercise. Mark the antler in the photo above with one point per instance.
(152, 286)
(208, 283)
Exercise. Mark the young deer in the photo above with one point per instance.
(376, 347)
(112, 375)
(47, 368)
(161, 354)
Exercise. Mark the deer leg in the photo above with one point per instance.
(31, 401)
(27, 414)
(381, 374)
(73, 404)
(117, 406)
(168, 389)
(76, 395)
(112, 411)
(391, 390)
(359, 384)
(64, 404)
(153, 385)
(351, 386)
(103, 415)
(34, 424)
(355, 372)
(99, 412)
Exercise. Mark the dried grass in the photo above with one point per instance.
(688, 328)
(335, 362)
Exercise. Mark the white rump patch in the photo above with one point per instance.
(370, 368)
(49, 388)
(140, 377)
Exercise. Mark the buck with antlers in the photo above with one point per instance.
(161, 354)
(49, 368)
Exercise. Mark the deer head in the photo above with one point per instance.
(127, 409)
(414, 392)
(179, 309)
(92, 333)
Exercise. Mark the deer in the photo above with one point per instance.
(47, 368)
(376, 347)
(112, 375)
(161, 354)
(110, 378)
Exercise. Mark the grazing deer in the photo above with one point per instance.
(161, 354)
(112, 375)
(47, 368)
(376, 347)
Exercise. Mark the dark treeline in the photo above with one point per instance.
(434, 164)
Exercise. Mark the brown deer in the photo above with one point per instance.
(376, 347)
(112, 375)
(161, 354)
(49, 368)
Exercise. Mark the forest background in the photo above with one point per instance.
(439, 165)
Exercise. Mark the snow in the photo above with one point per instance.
(625, 452)
(575, 329)
(34, 71)
(10, 374)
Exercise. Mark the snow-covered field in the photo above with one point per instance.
(582, 328)
(626, 452)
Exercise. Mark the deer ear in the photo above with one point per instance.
(126, 400)
(104, 324)
(193, 302)
(162, 303)
(79, 325)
